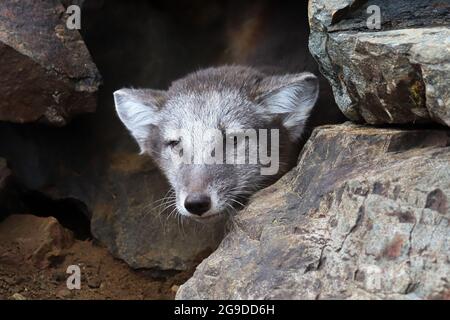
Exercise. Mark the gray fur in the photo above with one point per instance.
(218, 98)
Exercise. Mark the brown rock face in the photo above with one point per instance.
(396, 74)
(40, 240)
(46, 71)
(364, 215)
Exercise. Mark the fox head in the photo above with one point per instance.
(209, 112)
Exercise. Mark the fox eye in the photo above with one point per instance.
(172, 143)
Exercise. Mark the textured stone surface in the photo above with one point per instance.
(398, 74)
(41, 241)
(47, 72)
(364, 215)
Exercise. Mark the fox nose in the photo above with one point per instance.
(197, 203)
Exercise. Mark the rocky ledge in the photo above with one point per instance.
(364, 215)
(398, 73)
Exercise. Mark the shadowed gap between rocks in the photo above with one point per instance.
(70, 213)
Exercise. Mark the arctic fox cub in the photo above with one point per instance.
(197, 129)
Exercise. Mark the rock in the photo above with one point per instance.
(64, 293)
(398, 74)
(18, 296)
(174, 288)
(41, 240)
(94, 283)
(47, 71)
(364, 215)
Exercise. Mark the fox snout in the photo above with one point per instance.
(196, 196)
(197, 203)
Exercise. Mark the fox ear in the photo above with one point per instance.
(290, 97)
(139, 111)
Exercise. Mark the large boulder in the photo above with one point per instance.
(365, 214)
(29, 239)
(396, 74)
(46, 72)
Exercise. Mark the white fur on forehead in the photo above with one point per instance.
(210, 107)
(138, 110)
(292, 96)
